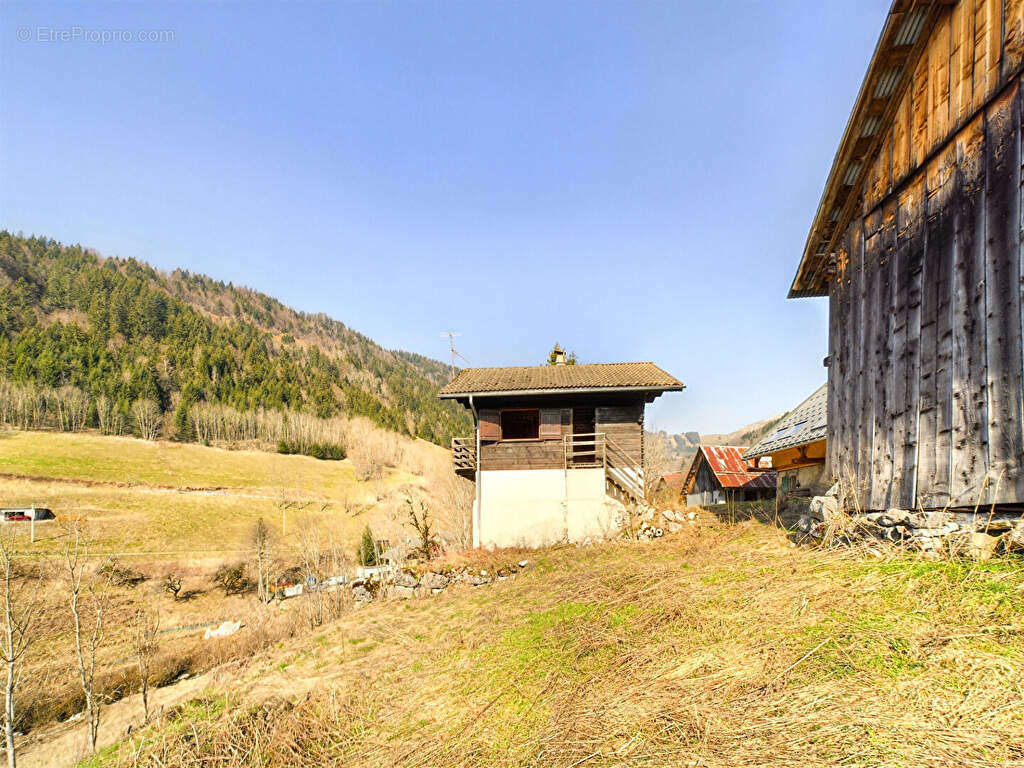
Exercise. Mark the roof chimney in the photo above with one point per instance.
(559, 354)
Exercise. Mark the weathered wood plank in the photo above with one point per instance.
(882, 363)
(919, 112)
(906, 330)
(941, 254)
(969, 450)
(901, 138)
(1002, 295)
(961, 60)
(929, 312)
(1013, 37)
(854, 388)
(868, 371)
(938, 83)
(914, 274)
(987, 45)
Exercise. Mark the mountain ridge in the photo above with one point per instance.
(118, 327)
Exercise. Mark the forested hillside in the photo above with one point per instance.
(121, 332)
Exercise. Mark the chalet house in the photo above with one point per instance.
(558, 449)
(719, 474)
(917, 245)
(796, 447)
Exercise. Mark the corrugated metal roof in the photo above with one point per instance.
(731, 469)
(674, 480)
(561, 377)
(807, 423)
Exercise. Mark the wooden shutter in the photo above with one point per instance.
(550, 423)
(490, 425)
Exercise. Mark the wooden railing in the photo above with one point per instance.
(596, 449)
(464, 454)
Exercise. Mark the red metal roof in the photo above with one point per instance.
(732, 471)
(674, 480)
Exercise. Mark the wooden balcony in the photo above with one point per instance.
(464, 456)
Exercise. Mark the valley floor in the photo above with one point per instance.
(720, 646)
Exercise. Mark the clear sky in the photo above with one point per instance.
(632, 179)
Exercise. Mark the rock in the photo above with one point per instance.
(804, 523)
(523, 563)
(1013, 540)
(401, 592)
(433, 580)
(691, 516)
(895, 517)
(405, 579)
(361, 594)
(833, 492)
(981, 546)
(674, 527)
(829, 508)
(936, 519)
(226, 629)
(997, 525)
(672, 516)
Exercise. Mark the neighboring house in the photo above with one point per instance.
(671, 482)
(720, 475)
(560, 447)
(796, 447)
(917, 244)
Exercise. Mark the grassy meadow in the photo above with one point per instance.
(144, 498)
(720, 646)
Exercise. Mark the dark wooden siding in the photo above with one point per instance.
(624, 425)
(925, 378)
(620, 418)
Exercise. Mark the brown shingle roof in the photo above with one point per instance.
(560, 377)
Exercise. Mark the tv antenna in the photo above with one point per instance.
(451, 348)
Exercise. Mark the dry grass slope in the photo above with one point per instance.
(721, 646)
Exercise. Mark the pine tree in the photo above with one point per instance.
(367, 548)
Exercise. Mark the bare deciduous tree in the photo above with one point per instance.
(172, 584)
(88, 598)
(147, 418)
(261, 549)
(656, 463)
(311, 552)
(21, 605)
(145, 626)
(455, 498)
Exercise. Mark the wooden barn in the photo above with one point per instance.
(558, 449)
(719, 474)
(796, 447)
(917, 244)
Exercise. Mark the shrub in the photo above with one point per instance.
(231, 578)
(120, 575)
(325, 451)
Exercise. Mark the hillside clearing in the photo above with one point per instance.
(721, 646)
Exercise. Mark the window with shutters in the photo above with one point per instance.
(520, 424)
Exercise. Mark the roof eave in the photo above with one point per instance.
(558, 391)
(811, 277)
(759, 453)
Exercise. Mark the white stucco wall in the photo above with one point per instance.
(534, 507)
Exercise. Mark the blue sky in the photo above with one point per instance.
(634, 180)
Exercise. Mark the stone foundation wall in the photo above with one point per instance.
(976, 534)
